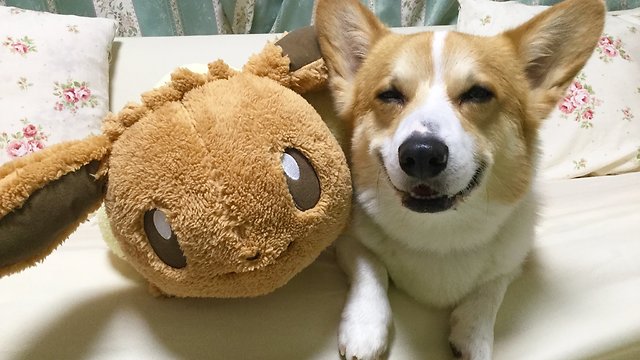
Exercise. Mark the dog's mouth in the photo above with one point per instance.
(422, 198)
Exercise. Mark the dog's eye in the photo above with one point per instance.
(162, 239)
(391, 96)
(302, 179)
(476, 94)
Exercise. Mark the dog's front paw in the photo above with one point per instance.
(470, 342)
(470, 351)
(362, 340)
(363, 335)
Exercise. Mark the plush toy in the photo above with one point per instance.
(223, 184)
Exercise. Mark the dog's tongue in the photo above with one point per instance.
(423, 191)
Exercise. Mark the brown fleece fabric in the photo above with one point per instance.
(207, 151)
(211, 161)
(310, 77)
(273, 64)
(23, 177)
(212, 164)
(44, 197)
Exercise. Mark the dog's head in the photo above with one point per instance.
(438, 115)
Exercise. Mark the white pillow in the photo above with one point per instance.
(595, 129)
(54, 78)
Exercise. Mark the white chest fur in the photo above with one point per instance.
(440, 258)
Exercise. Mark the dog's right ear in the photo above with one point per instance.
(346, 32)
(45, 196)
(554, 45)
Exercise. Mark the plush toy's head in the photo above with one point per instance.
(223, 184)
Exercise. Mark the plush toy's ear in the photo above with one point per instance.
(308, 70)
(45, 196)
(294, 61)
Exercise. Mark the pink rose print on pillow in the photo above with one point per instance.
(17, 148)
(83, 93)
(35, 145)
(22, 46)
(30, 131)
(69, 95)
(579, 102)
(610, 47)
(29, 139)
(587, 115)
(73, 95)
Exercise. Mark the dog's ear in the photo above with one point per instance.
(346, 32)
(555, 45)
(45, 196)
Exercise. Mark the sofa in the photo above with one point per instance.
(578, 296)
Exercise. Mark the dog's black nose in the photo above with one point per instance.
(423, 156)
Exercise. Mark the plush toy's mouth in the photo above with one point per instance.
(422, 198)
(255, 260)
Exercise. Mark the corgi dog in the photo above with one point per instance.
(443, 154)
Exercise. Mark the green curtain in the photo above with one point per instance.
(203, 17)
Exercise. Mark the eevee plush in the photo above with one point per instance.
(224, 184)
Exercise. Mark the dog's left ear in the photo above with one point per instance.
(555, 45)
(346, 30)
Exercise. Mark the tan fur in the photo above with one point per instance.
(341, 71)
(533, 40)
(510, 122)
(378, 120)
(272, 64)
(499, 126)
(311, 77)
(220, 160)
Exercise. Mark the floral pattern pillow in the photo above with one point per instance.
(595, 128)
(54, 79)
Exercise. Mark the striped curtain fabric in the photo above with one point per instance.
(204, 17)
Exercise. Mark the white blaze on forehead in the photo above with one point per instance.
(437, 54)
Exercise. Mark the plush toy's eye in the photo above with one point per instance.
(162, 239)
(302, 179)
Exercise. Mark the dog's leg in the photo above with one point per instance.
(472, 320)
(366, 317)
